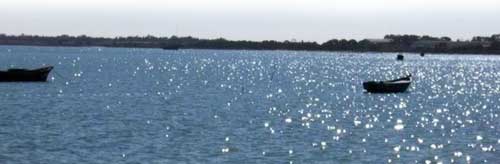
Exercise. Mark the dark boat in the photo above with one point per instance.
(400, 57)
(25, 75)
(422, 54)
(391, 86)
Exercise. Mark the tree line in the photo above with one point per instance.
(390, 43)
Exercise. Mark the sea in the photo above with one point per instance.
(128, 105)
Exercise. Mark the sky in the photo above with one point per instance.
(308, 20)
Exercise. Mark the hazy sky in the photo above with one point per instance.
(311, 20)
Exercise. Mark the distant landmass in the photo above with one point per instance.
(390, 43)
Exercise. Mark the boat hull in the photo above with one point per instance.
(400, 57)
(383, 87)
(22, 75)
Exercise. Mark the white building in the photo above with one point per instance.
(379, 41)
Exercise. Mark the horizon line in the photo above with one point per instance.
(215, 38)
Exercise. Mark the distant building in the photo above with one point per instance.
(486, 44)
(379, 41)
(466, 44)
(496, 37)
(430, 44)
(481, 39)
(445, 45)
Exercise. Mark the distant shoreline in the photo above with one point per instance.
(390, 43)
(399, 52)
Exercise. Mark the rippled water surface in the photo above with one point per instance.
(111, 105)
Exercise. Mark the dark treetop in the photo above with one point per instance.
(390, 43)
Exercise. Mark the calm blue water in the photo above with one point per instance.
(111, 105)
